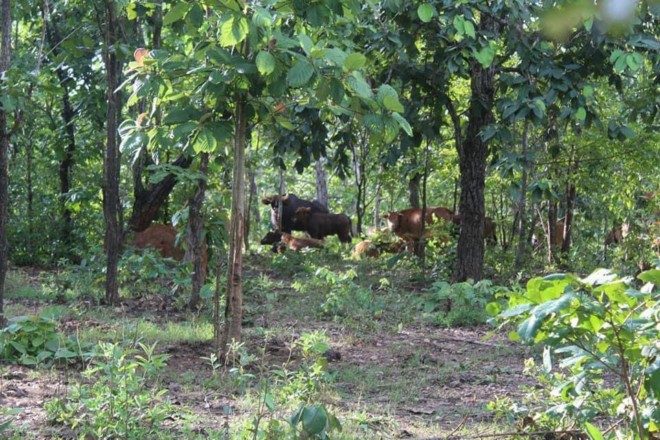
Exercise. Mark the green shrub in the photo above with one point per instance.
(120, 399)
(33, 340)
(602, 333)
(460, 304)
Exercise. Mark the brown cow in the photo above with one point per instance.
(319, 225)
(558, 239)
(163, 239)
(617, 234)
(374, 248)
(366, 247)
(490, 228)
(407, 224)
(289, 241)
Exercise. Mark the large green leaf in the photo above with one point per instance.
(205, 141)
(403, 123)
(265, 62)
(177, 12)
(300, 73)
(314, 419)
(392, 104)
(354, 61)
(425, 12)
(233, 30)
(357, 83)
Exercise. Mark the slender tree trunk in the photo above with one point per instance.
(321, 182)
(472, 164)
(571, 193)
(5, 53)
(30, 195)
(377, 206)
(552, 231)
(413, 190)
(111, 158)
(250, 208)
(195, 233)
(234, 301)
(359, 178)
(455, 198)
(522, 208)
(68, 115)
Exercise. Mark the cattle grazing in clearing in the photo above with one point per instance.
(290, 203)
(319, 225)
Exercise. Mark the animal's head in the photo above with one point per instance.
(393, 219)
(274, 200)
(302, 215)
(272, 237)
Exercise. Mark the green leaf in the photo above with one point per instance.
(269, 401)
(620, 64)
(469, 29)
(403, 123)
(485, 56)
(581, 114)
(650, 276)
(133, 142)
(314, 419)
(177, 12)
(593, 432)
(392, 104)
(204, 141)
(354, 61)
(632, 63)
(425, 12)
(615, 55)
(459, 24)
(300, 74)
(588, 91)
(359, 85)
(306, 43)
(233, 30)
(265, 63)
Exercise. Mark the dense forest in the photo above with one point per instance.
(330, 219)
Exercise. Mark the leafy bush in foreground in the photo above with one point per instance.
(603, 335)
(33, 340)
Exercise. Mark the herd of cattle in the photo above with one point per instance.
(290, 213)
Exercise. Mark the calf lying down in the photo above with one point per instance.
(281, 240)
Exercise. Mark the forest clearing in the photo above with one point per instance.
(426, 219)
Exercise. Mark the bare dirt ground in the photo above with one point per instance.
(413, 383)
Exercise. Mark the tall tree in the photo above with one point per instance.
(111, 164)
(5, 54)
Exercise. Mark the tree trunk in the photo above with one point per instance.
(30, 195)
(472, 163)
(68, 114)
(5, 51)
(194, 234)
(234, 297)
(522, 208)
(413, 190)
(377, 206)
(321, 182)
(148, 201)
(250, 209)
(111, 157)
(552, 231)
(571, 193)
